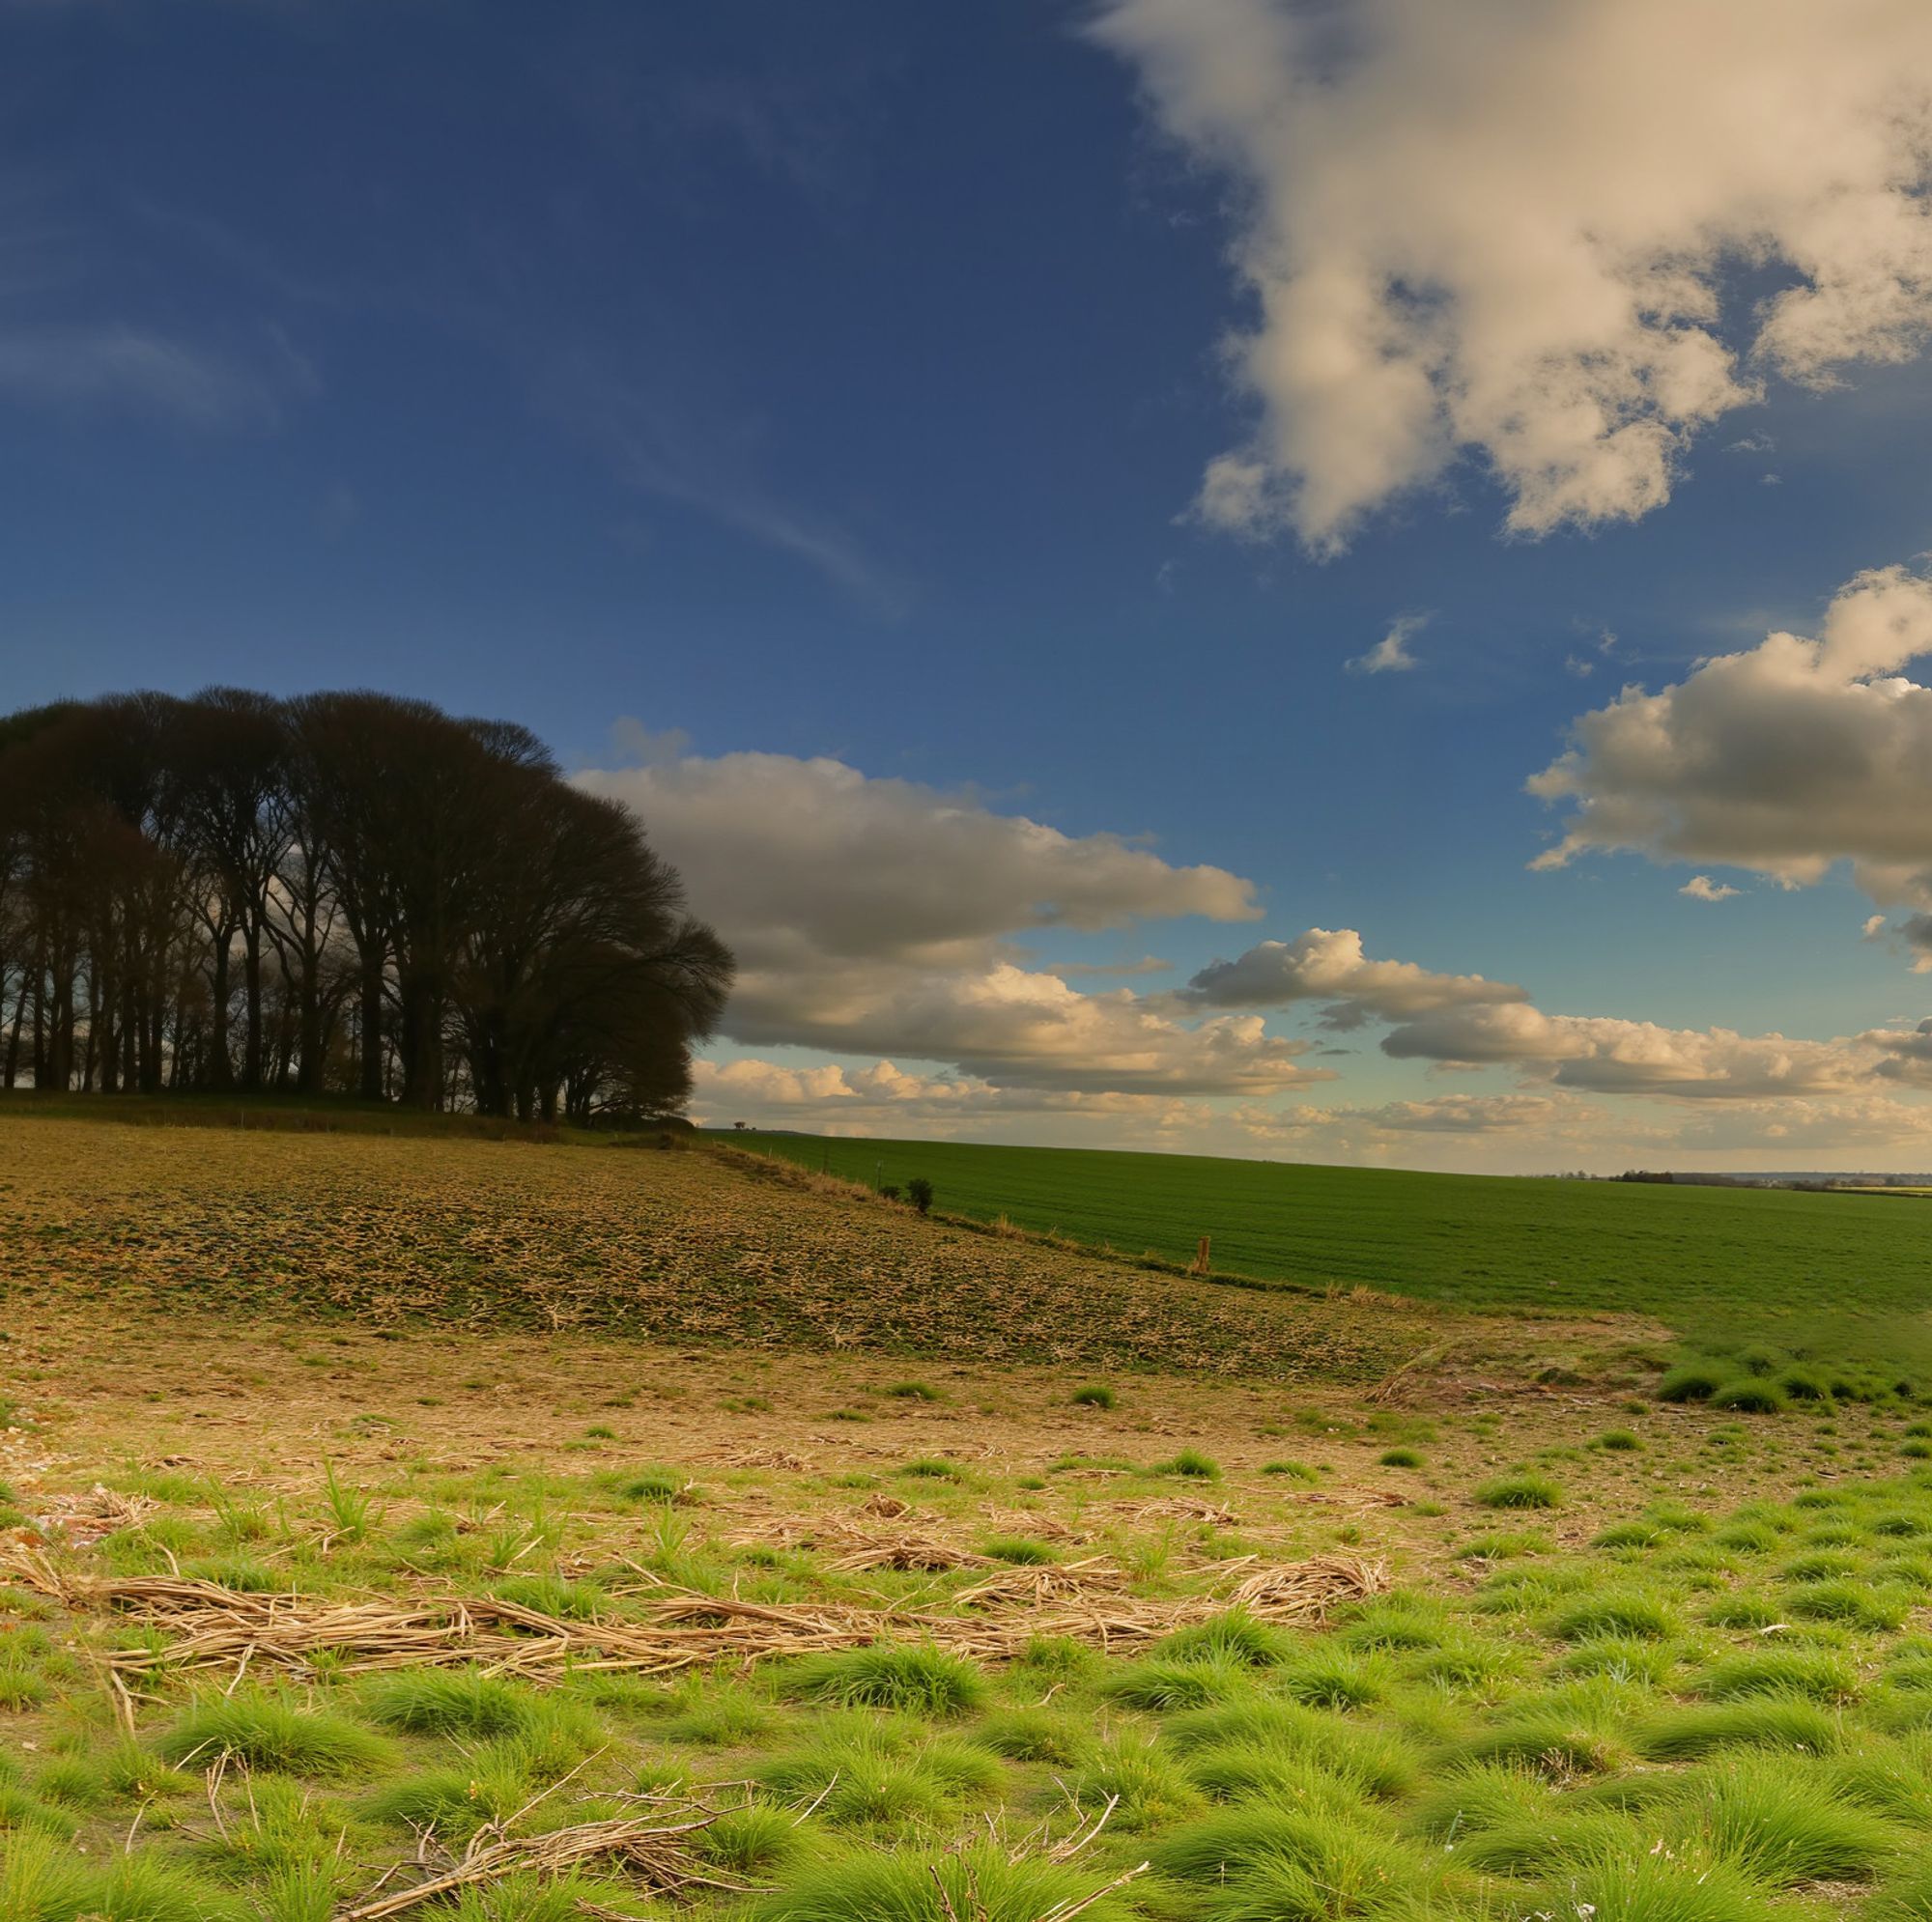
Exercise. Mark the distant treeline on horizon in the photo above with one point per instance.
(347, 892)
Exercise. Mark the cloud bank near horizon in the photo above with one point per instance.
(884, 923)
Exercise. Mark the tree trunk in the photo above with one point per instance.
(251, 975)
(220, 1069)
(371, 1027)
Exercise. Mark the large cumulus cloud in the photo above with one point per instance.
(1329, 965)
(880, 917)
(1504, 228)
(1783, 758)
(1607, 1055)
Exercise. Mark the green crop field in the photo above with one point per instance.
(1694, 1257)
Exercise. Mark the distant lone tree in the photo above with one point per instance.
(345, 891)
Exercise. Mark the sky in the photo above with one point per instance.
(1339, 581)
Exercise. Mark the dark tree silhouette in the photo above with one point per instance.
(346, 890)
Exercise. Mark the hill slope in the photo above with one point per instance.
(1692, 1256)
(683, 1247)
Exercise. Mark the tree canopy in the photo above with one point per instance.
(347, 891)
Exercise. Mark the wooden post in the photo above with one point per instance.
(1201, 1257)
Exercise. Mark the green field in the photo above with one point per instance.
(1694, 1257)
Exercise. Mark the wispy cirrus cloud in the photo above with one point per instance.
(658, 444)
(113, 367)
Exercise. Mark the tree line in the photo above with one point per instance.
(342, 891)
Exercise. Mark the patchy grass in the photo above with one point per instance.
(1713, 1706)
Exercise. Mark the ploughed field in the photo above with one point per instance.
(495, 1532)
(1688, 1256)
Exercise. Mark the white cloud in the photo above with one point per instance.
(1702, 888)
(789, 855)
(1329, 965)
(1608, 1056)
(878, 916)
(1504, 229)
(883, 1097)
(1781, 759)
(1390, 655)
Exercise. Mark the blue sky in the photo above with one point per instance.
(838, 384)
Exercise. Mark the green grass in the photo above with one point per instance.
(1568, 1728)
(272, 1730)
(1691, 1257)
(1520, 1491)
(979, 1883)
(891, 1676)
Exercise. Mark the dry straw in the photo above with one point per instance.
(671, 1630)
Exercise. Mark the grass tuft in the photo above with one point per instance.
(266, 1729)
(1520, 1491)
(891, 1675)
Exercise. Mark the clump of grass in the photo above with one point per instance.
(1392, 1624)
(1629, 1535)
(753, 1843)
(1744, 1611)
(1632, 1616)
(664, 1486)
(272, 1730)
(1399, 1457)
(1188, 1462)
(1161, 1686)
(1265, 1732)
(1849, 1603)
(1691, 1381)
(1617, 1441)
(1253, 1862)
(1021, 1550)
(1639, 1882)
(877, 1776)
(913, 1391)
(1333, 1680)
(1524, 1490)
(1620, 1658)
(494, 1782)
(1553, 1839)
(1785, 1672)
(727, 1718)
(933, 1468)
(1487, 1796)
(1033, 1735)
(1152, 1790)
(1771, 1721)
(42, 1881)
(1093, 1395)
(1236, 1638)
(447, 1701)
(1504, 1545)
(1296, 1471)
(1751, 1395)
(1771, 1821)
(1549, 1739)
(553, 1595)
(891, 1675)
(1804, 1384)
(911, 1885)
(353, 1512)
